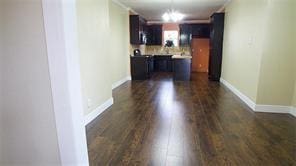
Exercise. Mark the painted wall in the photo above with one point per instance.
(119, 42)
(276, 82)
(243, 45)
(259, 52)
(1, 80)
(28, 135)
(294, 97)
(93, 37)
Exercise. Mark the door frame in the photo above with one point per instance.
(64, 68)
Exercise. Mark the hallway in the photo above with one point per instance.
(161, 122)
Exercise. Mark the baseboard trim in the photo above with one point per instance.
(239, 94)
(293, 111)
(120, 82)
(273, 109)
(257, 107)
(96, 112)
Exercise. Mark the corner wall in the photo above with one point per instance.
(1, 80)
(28, 131)
(277, 73)
(259, 56)
(119, 42)
(93, 38)
(243, 45)
(103, 35)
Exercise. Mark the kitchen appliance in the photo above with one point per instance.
(137, 52)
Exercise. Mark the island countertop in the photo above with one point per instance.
(182, 57)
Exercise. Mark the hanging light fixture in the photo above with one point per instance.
(172, 15)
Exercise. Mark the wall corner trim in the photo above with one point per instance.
(99, 110)
(120, 82)
(243, 97)
(121, 4)
(257, 107)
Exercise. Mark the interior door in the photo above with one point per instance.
(200, 54)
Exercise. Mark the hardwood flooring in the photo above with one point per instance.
(161, 122)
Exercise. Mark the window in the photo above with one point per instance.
(173, 36)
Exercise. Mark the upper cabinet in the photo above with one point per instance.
(185, 34)
(154, 35)
(137, 30)
(189, 31)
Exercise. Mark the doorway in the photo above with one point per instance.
(200, 48)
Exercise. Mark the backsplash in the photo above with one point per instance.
(165, 50)
(148, 50)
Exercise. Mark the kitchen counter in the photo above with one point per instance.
(143, 66)
(182, 57)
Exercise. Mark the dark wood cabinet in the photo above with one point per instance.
(163, 63)
(137, 30)
(185, 34)
(154, 35)
(188, 31)
(216, 46)
(141, 67)
(182, 69)
(200, 30)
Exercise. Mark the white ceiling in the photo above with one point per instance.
(152, 10)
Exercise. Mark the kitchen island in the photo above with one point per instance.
(143, 66)
(181, 67)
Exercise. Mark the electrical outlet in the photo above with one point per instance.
(89, 103)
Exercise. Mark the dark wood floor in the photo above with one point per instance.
(161, 122)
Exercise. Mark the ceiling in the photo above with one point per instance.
(152, 10)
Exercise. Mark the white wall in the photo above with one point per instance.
(276, 82)
(1, 70)
(119, 42)
(93, 36)
(29, 133)
(243, 36)
(259, 50)
(103, 33)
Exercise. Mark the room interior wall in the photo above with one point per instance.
(93, 37)
(277, 73)
(28, 133)
(119, 42)
(1, 80)
(242, 48)
(294, 96)
(259, 52)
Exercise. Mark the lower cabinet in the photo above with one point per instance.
(182, 69)
(163, 63)
(141, 67)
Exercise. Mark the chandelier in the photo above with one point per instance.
(172, 15)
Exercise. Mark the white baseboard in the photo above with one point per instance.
(120, 82)
(293, 111)
(257, 107)
(273, 109)
(243, 97)
(95, 113)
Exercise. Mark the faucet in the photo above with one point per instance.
(167, 50)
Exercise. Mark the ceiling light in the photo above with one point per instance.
(166, 17)
(172, 16)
